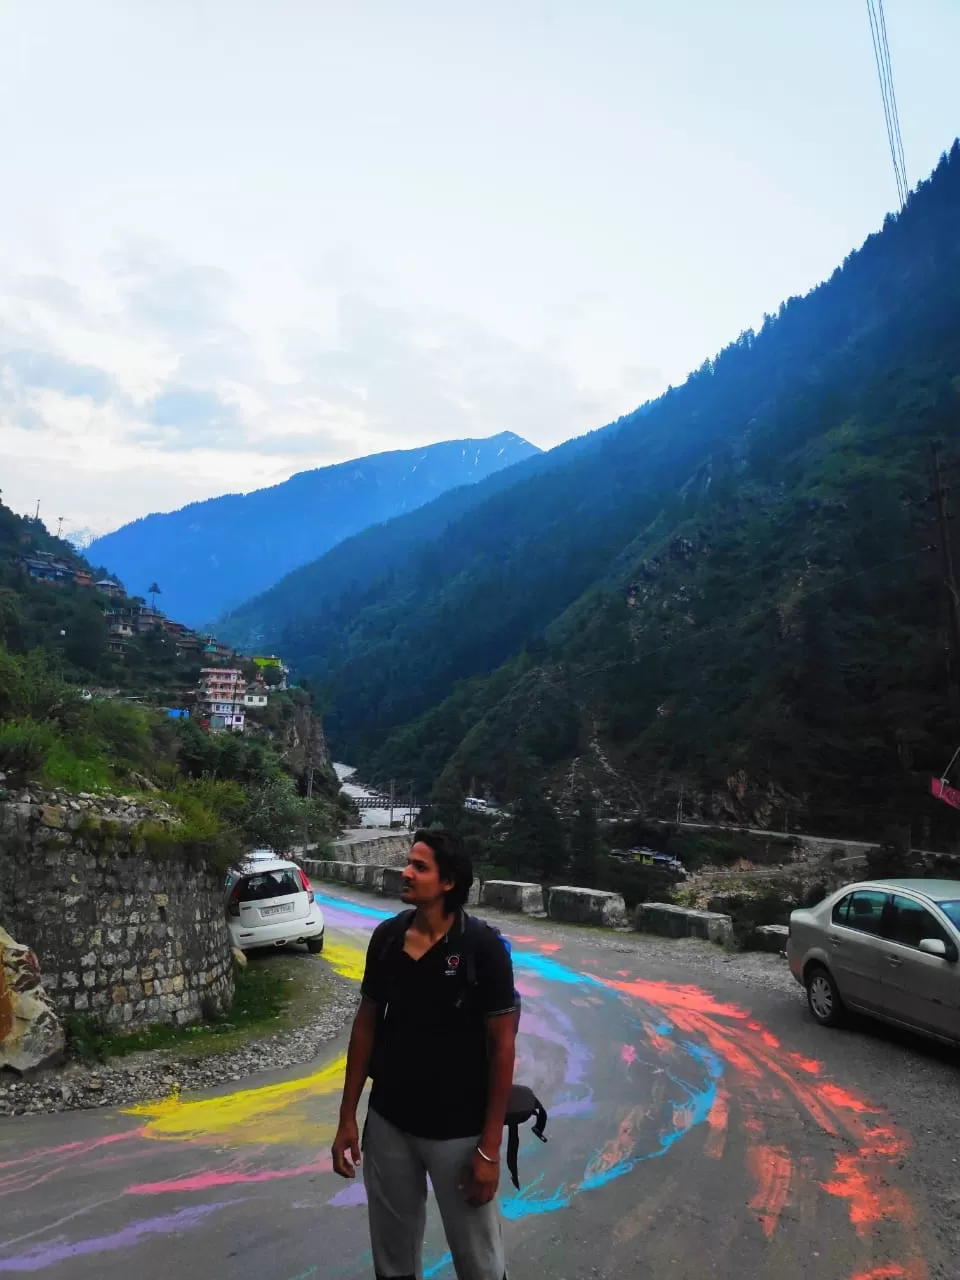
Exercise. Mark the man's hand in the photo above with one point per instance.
(481, 1181)
(346, 1149)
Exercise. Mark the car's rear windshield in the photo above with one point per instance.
(269, 884)
(952, 911)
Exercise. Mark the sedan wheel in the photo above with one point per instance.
(824, 998)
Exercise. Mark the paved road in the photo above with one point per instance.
(700, 1126)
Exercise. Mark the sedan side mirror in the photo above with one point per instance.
(937, 947)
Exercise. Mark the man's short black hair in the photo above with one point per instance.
(453, 863)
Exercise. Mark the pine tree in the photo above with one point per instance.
(535, 840)
(446, 802)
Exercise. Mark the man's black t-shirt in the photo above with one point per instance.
(431, 1058)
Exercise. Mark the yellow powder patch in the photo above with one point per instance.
(274, 1113)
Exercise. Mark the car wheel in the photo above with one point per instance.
(823, 997)
(315, 945)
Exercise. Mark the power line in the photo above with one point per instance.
(881, 54)
(893, 100)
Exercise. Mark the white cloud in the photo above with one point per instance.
(144, 389)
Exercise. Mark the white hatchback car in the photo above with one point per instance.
(270, 903)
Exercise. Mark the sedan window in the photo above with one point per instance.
(952, 911)
(839, 915)
(866, 911)
(909, 923)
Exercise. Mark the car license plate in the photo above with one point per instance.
(277, 911)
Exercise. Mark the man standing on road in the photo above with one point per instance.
(440, 1051)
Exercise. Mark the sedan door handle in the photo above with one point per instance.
(834, 940)
(895, 961)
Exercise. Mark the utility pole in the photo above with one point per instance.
(59, 525)
(410, 807)
(680, 807)
(392, 798)
(940, 496)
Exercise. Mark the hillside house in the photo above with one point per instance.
(222, 693)
(214, 651)
(44, 566)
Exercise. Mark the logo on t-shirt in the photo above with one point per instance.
(453, 964)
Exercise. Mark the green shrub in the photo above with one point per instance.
(25, 747)
(75, 771)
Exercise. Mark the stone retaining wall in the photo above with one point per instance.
(380, 848)
(117, 933)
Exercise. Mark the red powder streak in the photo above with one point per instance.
(551, 947)
(224, 1178)
(662, 1044)
(619, 1148)
(669, 996)
(838, 1097)
(915, 1270)
(717, 1120)
(810, 1065)
(628, 1053)
(763, 1066)
(527, 988)
(72, 1148)
(772, 1169)
(871, 1199)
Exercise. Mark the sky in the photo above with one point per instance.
(240, 240)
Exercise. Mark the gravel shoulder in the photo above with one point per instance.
(323, 1004)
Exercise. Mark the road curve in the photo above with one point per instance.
(695, 1129)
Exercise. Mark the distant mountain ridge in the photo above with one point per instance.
(728, 599)
(209, 556)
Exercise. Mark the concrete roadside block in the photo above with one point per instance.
(513, 895)
(770, 937)
(670, 921)
(372, 876)
(586, 906)
(390, 882)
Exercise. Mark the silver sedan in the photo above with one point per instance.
(888, 948)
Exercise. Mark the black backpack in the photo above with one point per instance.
(523, 1104)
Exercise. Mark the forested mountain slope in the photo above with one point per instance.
(303, 614)
(770, 634)
(209, 556)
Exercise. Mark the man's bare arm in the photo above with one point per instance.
(346, 1145)
(501, 1048)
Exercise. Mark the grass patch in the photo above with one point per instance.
(273, 992)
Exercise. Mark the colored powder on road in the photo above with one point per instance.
(43, 1256)
(206, 1181)
(772, 1170)
(838, 1097)
(275, 1113)
(345, 958)
(717, 1119)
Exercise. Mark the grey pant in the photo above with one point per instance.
(395, 1170)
